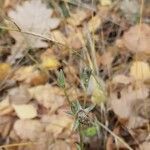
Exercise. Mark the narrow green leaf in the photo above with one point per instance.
(61, 79)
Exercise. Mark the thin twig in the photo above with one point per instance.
(16, 144)
(115, 136)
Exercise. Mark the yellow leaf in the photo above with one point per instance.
(106, 2)
(25, 111)
(50, 63)
(140, 70)
(4, 70)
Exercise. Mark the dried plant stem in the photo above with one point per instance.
(15, 145)
(67, 97)
(115, 136)
(81, 137)
(31, 33)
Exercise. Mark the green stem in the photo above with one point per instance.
(81, 137)
(67, 97)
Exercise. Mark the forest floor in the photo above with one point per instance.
(74, 74)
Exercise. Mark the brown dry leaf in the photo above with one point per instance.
(123, 105)
(106, 59)
(25, 111)
(145, 145)
(77, 17)
(121, 79)
(94, 23)
(57, 36)
(9, 3)
(135, 122)
(137, 39)
(48, 96)
(28, 129)
(5, 125)
(29, 18)
(140, 70)
(4, 121)
(19, 95)
(75, 40)
(5, 69)
(31, 75)
(60, 144)
(5, 107)
(57, 123)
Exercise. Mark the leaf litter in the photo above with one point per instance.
(101, 56)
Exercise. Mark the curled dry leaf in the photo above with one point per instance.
(48, 96)
(19, 95)
(31, 75)
(123, 105)
(137, 39)
(140, 70)
(25, 111)
(29, 18)
(5, 107)
(28, 129)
